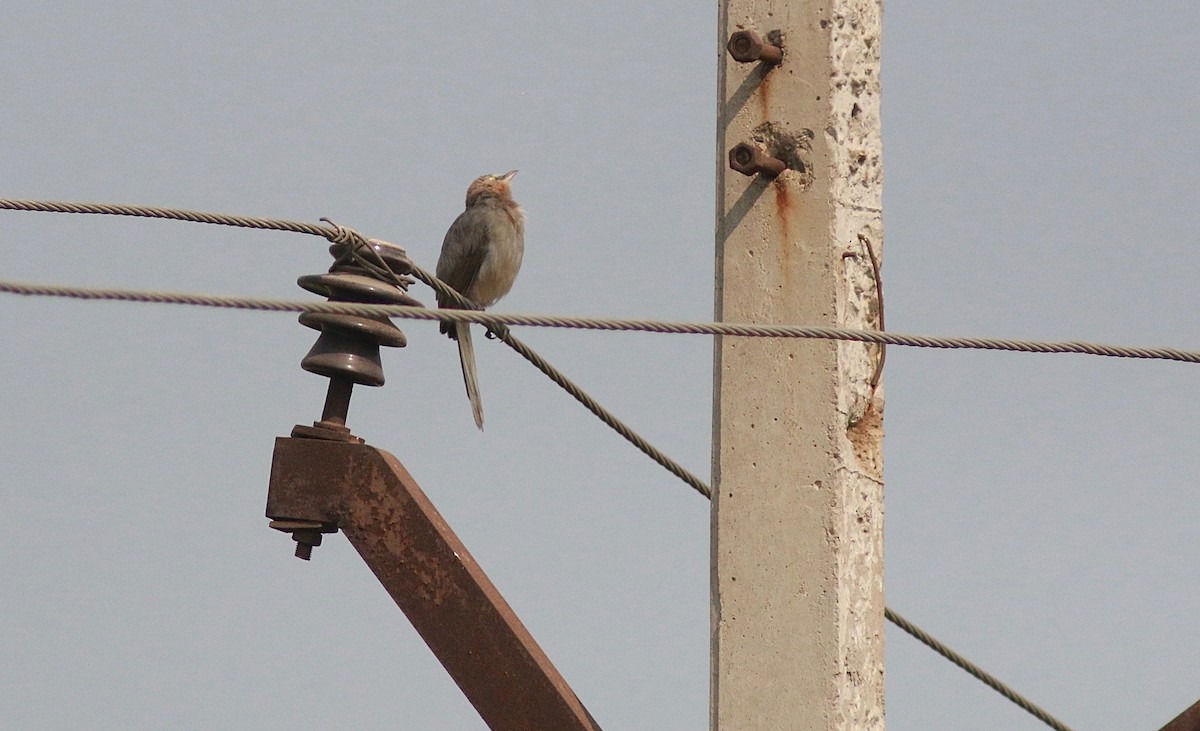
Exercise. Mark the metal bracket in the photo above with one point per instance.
(366, 493)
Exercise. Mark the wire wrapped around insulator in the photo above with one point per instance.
(348, 347)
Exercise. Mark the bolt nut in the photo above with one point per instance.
(305, 540)
(306, 534)
(749, 159)
(746, 46)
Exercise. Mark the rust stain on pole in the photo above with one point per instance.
(430, 575)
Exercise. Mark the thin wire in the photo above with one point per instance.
(604, 415)
(340, 234)
(497, 326)
(176, 214)
(987, 679)
(876, 271)
(495, 320)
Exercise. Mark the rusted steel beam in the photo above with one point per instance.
(429, 573)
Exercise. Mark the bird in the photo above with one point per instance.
(480, 258)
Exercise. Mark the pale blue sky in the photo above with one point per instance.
(1041, 164)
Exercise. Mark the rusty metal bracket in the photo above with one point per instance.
(1189, 720)
(366, 493)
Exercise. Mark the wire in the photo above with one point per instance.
(877, 275)
(607, 417)
(987, 679)
(176, 214)
(497, 325)
(495, 320)
(340, 234)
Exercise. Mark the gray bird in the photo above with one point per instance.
(480, 258)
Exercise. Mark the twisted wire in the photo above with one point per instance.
(974, 670)
(362, 252)
(604, 414)
(176, 214)
(496, 320)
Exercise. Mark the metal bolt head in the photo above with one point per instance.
(749, 159)
(746, 46)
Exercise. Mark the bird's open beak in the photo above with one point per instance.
(508, 176)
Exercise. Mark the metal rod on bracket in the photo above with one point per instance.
(337, 401)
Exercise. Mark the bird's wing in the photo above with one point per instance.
(463, 252)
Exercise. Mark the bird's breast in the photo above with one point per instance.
(500, 265)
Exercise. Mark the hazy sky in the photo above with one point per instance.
(1042, 172)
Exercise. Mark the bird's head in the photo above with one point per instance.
(491, 186)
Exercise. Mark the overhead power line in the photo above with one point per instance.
(496, 319)
(174, 214)
(979, 673)
(340, 234)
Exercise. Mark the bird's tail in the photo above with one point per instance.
(466, 355)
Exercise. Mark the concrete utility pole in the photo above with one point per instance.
(797, 583)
